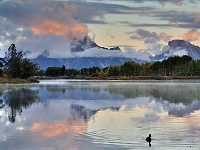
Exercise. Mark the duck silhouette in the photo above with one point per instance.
(148, 139)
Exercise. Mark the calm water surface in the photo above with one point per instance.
(100, 115)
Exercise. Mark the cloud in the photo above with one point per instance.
(191, 35)
(148, 36)
(38, 26)
(175, 2)
(128, 52)
(173, 23)
(162, 2)
(197, 20)
(182, 19)
(58, 128)
(110, 35)
(56, 28)
(181, 110)
(145, 12)
(44, 18)
(151, 39)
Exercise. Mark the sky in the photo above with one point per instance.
(37, 26)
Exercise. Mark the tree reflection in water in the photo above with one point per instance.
(17, 99)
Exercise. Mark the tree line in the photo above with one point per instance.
(173, 66)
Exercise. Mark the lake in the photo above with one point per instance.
(100, 115)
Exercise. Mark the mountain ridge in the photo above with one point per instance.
(174, 48)
(178, 48)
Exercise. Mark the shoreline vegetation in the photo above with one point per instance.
(4, 80)
(121, 77)
(37, 78)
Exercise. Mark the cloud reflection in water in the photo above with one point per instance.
(100, 120)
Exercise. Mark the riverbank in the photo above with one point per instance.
(16, 81)
(122, 77)
(145, 78)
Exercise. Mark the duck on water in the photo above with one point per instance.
(148, 139)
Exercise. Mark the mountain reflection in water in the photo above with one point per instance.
(177, 98)
(85, 115)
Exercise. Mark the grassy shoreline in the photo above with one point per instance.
(15, 81)
(145, 78)
(35, 80)
(122, 77)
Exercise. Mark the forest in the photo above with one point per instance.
(173, 66)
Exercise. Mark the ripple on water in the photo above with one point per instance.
(171, 133)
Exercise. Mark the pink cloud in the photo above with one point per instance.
(197, 20)
(191, 35)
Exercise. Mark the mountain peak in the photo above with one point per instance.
(179, 48)
(179, 43)
(81, 45)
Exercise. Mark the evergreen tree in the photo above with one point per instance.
(16, 66)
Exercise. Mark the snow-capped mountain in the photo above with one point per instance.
(87, 53)
(178, 48)
(77, 45)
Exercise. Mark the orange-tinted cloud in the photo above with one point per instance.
(197, 20)
(62, 23)
(57, 28)
(47, 18)
(191, 35)
(58, 128)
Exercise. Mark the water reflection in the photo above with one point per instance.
(78, 111)
(17, 99)
(179, 99)
(84, 115)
